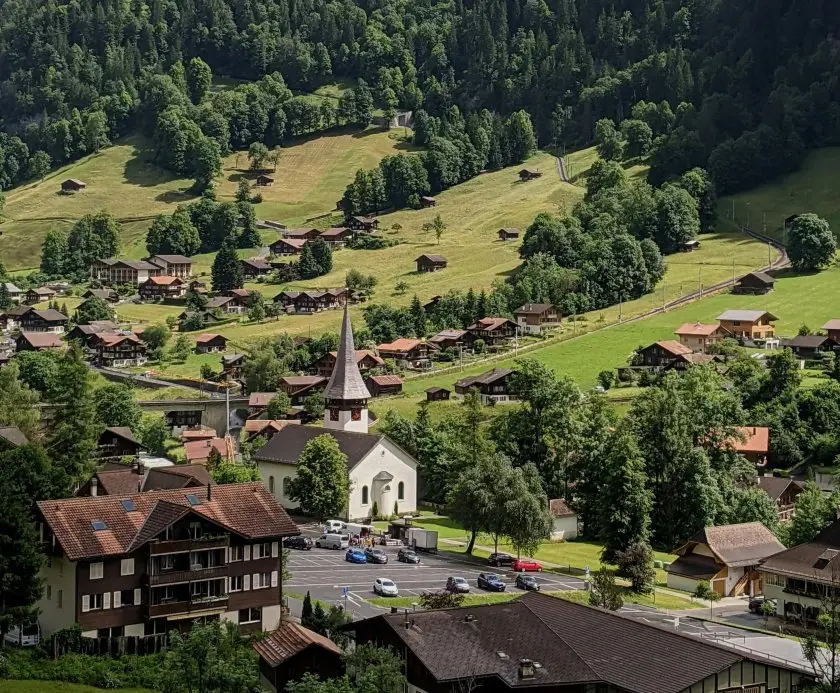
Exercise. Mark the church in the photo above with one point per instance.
(380, 471)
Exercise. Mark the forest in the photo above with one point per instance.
(740, 88)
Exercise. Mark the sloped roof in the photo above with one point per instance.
(173, 259)
(401, 344)
(164, 280)
(361, 355)
(334, 231)
(738, 545)
(696, 329)
(43, 290)
(533, 309)
(832, 325)
(200, 449)
(808, 341)
(119, 482)
(559, 508)
(177, 476)
(104, 294)
(257, 263)
(757, 439)
(775, 486)
(294, 242)
(246, 509)
(761, 276)
(208, 337)
(50, 315)
(445, 335)
(260, 399)
(253, 426)
(815, 561)
(346, 381)
(673, 347)
(489, 324)
(219, 301)
(485, 378)
(386, 380)
(431, 258)
(123, 432)
(746, 315)
(43, 340)
(302, 380)
(288, 640)
(287, 445)
(13, 436)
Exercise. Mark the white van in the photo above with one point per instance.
(334, 526)
(28, 635)
(333, 541)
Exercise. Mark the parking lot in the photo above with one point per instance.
(324, 573)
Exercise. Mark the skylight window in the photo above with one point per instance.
(98, 525)
(128, 505)
(192, 499)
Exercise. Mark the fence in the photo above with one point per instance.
(113, 646)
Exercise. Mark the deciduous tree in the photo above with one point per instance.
(321, 486)
(811, 244)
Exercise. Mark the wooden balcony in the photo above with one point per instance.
(175, 577)
(159, 548)
(187, 607)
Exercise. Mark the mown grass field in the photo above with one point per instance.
(57, 687)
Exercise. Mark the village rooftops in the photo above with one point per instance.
(673, 347)
(172, 259)
(248, 510)
(533, 309)
(738, 545)
(164, 280)
(696, 329)
(287, 445)
(400, 345)
(42, 340)
(745, 315)
(127, 481)
(756, 440)
(775, 486)
(288, 640)
(490, 324)
(816, 561)
(485, 378)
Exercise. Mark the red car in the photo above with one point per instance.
(526, 565)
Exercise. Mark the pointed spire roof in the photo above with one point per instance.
(346, 381)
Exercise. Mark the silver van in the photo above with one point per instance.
(333, 541)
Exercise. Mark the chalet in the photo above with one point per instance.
(161, 287)
(437, 394)
(312, 301)
(258, 401)
(15, 293)
(564, 520)
(266, 428)
(228, 304)
(660, 354)
(683, 361)
(198, 451)
(292, 651)
(533, 318)
(727, 557)
(753, 442)
(408, 353)
(38, 341)
(508, 234)
(210, 343)
(832, 329)
(133, 272)
(117, 442)
(150, 562)
(10, 318)
(39, 295)
(426, 202)
(529, 174)
(47, 320)
(449, 339)
(384, 385)
(698, 336)
(492, 386)
(173, 265)
(287, 246)
(690, 245)
(493, 330)
(116, 479)
(7, 350)
(756, 283)
(301, 234)
(337, 236)
(108, 295)
(748, 324)
(88, 335)
(208, 318)
(197, 287)
(199, 432)
(363, 223)
(232, 366)
(255, 267)
(119, 350)
(783, 492)
(299, 387)
(810, 346)
(432, 304)
(11, 437)
(365, 360)
(72, 185)
(430, 263)
(264, 181)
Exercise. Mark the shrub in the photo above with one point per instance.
(256, 198)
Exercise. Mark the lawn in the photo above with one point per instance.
(469, 600)
(57, 687)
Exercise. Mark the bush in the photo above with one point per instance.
(256, 198)
(101, 672)
(367, 242)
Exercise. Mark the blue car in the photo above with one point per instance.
(355, 556)
(491, 582)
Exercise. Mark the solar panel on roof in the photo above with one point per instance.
(98, 525)
(192, 499)
(128, 505)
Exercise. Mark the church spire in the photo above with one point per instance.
(346, 394)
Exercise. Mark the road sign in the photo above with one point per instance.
(344, 591)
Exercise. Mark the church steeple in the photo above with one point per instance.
(346, 394)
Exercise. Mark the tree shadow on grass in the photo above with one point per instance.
(141, 170)
(791, 273)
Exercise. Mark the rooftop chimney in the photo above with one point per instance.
(526, 669)
(94, 486)
(209, 492)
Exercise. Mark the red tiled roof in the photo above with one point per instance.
(110, 338)
(401, 344)
(559, 508)
(757, 439)
(199, 434)
(674, 347)
(164, 280)
(260, 399)
(489, 323)
(288, 640)
(200, 449)
(257, 425)
(696, 329)
(383, 380)
(246, 509)
(832, 325)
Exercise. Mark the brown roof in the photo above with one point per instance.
(177, 476)
(401, 344)
(533, 309)
(111, 339)
(559, 508)
(260, 399)
(123, 432)
(287, 445)
(362, 354)
(294, 242)
(757, 439)
(695, 566)
(302, 380)
(43, 340)
(173, 259)
(573, 643)
(334, 231)
(816, 561)
(761, 276)
(737, 545)
(291, 233)
(445, 335)
(288, 640)
(775, 486)
(696, 329)
(164, 280)
(246, 509)
(384, 380)
(199, 434)
(257, 263)
(673, 347)
(119, 482)
(200, 449)
(13, 435)
(209, 337)
(50, 315)
(431, 258)
(489, 324)
(832, 325)
(257, 425)
(485, 378)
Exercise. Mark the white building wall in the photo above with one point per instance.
(271, 617)
(59, 576)
(278, 472)
(385, 456)
(680, 582)
(565, 528)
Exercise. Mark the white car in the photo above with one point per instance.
(334, 527)
(385, 587)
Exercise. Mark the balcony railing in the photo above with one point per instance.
(186, 607)
(174, 577)
(180, 545)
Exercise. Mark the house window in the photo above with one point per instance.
(262, 580)
(286, 485)
(253, 615)
(364, 495)
(400, 491)
(59, 599)
(49, 591)
(167, 562)
(333, 414)
(236, 583)
(237, 553)
(262, 550)
(195, 530)
(97, 570)
(95, 601)
(271, 484)
(127, 566)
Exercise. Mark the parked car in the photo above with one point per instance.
(376, 556)
(334, 527)
(500, 559)
(28, 635)
(301, 543)
(757, 605)
(408, 556)
(457, 584)
(527, 582)
(355, 556)
(385, 587)
(491, 582)
(526, 565)
(332, 541)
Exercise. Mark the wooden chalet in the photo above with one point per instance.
(312, 301)
(437, 394)
(161, 287)
(119, 350)
(207, 315)
(365, 360)
(493, 330)
(39, 295)
(533, 318)
(363, 223)
(15, 293)
(449, 339)
(38, 341)
(10, 318)
(210, 343)
(264, 181)
(198, 451)
(753, 442)
(88, 335)
(832, 329)
(756, 283)
(699, 336)
(72, 185)
(430, 263)
(660, 354)
(336, 237)
(492, 386)
(299, 387)
(301, 234)
(117, 442)
(47, 320)
(684, 361)
(810, 346)
(288, 246)
(108, 295)
(232, 366)
(292, 651)
(508, 234)
(432, 304)
(690, 245)
(783, 492)
(748, 324)
(266, 428)
(529, 174)
(173, 265)
(426, 202)
(408, 353)
(228, 304)
(255, 267)
(115, 271)
(384, 385)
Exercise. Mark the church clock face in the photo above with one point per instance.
(356, 414)
(333, 414)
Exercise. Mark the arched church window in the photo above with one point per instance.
(364, 495)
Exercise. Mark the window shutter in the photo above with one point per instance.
(247, 556)
(106, 600)
(227, 585)
(137, 597)
(274, 549)
(117, 599)
(246, 583)
(255, 581)
(85, 603)
(227, 555)
(274, 578)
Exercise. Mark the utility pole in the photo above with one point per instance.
(733, 272)
(700, 282)
(227, 408)
(664, 300)
(769, 255)
(619, 309)
(733, 209)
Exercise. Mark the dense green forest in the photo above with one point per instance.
(749, 85)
